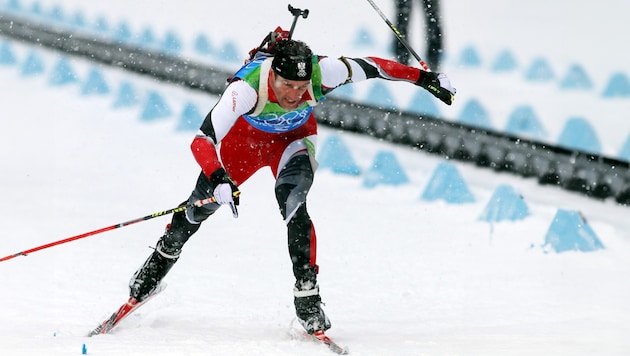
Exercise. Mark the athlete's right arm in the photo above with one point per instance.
(344, 70)
(238, 98)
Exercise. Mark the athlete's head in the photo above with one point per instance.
(293, 60)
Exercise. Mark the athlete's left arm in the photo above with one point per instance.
(237, 99)
(343, 70)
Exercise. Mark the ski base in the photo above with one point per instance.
(124, 311)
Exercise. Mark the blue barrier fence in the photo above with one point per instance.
(474, 112)
(446, 184)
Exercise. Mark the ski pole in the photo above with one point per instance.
(400, 36)
(112, 227)
(296, 14)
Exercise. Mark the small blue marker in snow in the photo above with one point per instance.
(84, 350)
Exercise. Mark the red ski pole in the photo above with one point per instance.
(112, 227)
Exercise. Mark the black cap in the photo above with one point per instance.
(293, 60)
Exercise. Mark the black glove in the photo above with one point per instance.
(224, 190)
(438, 85)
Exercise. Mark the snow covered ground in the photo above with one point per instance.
(400, 276)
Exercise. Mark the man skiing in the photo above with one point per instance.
(264, 118)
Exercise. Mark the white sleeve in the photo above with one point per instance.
(335, 72)
(238, 98)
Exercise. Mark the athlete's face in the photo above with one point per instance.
(288, 92)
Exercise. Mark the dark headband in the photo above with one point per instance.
(296, 67)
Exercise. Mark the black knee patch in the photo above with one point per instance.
(282, 194)
(293, 184)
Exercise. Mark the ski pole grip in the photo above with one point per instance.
(298, 12)
(210, 200)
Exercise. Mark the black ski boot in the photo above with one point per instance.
(308, 308)
(148, 277)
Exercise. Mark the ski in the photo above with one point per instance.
(321, 337)
(318, 337)
(124, 311)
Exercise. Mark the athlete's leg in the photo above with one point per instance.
(183, 225)
(292, 186)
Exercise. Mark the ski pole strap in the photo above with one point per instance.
(305, 293)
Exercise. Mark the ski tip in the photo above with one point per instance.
(94, 332)
(123, 311)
